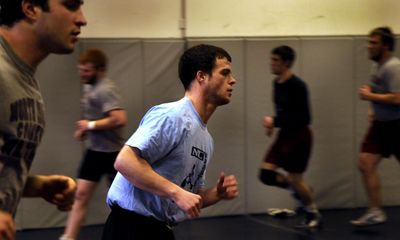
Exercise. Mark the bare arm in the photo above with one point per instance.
(56, 189)
(387, 98)
(226, 189)
(7, 226)
(139, 172)
(115, 119)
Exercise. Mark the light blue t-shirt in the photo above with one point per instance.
(386, 79)
(177, 145)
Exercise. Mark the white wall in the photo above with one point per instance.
(210, 18)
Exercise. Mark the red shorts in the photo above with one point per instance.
(383, 138)
(291, 150)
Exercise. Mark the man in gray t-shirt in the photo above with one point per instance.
(29, 32)
(101, 128)
(381, 140)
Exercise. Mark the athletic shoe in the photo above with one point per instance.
(280, 212)
(300, 210)
(371, 217)
(311, 220)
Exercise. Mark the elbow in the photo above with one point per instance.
(118, 164)
(119, 122)
(122, 120)
(394, 99)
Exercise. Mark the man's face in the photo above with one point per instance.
(58, 29)
(278, 66)
(375, 48)
(220, 83)
(88, 73)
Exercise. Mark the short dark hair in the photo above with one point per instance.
(11, 10)
(199, 58)
(95, 56)
(386, 35)
(286, 53)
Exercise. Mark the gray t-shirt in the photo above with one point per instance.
(21, 125)
(386, 79)
(97, 101)
(175, 142)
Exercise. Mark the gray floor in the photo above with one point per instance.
(260, 226)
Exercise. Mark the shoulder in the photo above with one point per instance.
(391, 69)
(298, 82)
(392, 64)
(8, 73)
(107, 85)
(171, 112)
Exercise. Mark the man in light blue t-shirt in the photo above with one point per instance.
(161, 169)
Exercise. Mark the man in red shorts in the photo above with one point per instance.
(382, 138)
(291, 150)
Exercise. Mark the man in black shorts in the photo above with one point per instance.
(291, 150)
(382, 138)
(103, 119)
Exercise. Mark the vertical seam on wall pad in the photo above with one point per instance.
(354, 105)
(245, 145)
(143, 75)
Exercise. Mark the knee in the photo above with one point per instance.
(268, 177)
(366, 165)
(82, 196)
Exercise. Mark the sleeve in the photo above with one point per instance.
(157, 135)
(111, 99)
(394, 78)
(11, 185)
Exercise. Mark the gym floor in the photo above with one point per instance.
(258, 226)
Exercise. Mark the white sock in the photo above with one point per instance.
(312, 208)
(65, 237)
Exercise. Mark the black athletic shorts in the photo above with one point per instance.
(95, 164)
(291, 150)
(383, 138)
(122, 224)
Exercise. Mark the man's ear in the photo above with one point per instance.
(288, 63)
(30, 10)
(200, 76)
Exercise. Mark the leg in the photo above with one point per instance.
(368, 164)
(313, 218)
(269, 176)
(109, 167)
(84, 192)
(302, 189)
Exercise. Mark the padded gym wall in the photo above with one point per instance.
(146, 72)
